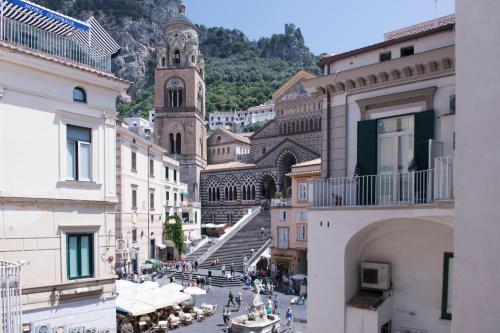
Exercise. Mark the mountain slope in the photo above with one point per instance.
(239, 72)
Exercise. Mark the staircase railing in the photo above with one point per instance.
(252, 212)
(253, 260)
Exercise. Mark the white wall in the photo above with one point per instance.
(477, 263)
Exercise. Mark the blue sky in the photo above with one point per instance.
(330, 26)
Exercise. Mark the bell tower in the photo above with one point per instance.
(180, 99)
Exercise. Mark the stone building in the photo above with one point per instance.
(226, 146)
(294, 136)
(179, 100)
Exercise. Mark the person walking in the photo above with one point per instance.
(289, 317)
(290, 287)
(226, 316)
(276, 304)
(238, 301)
(223, 269)
(230, 299)
(209, 290)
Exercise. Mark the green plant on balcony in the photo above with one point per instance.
(278, 195)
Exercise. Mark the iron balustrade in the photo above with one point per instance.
(407, 188)
(284, 202)
(10, 297)
(40, 40)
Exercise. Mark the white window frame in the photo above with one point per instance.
(76, 175)
(285, 243)
(302, 215)
(283, 215)
(302, 195)
(304, 228)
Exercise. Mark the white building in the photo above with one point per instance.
(241, 121)
(141, 127)
(149, 190)
(57, 165)
(477, 265)
(381, 219)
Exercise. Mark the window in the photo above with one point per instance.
(167, 196)
(166, 173)
(134, 235)
(407, 51)
(177, 57)
(282, 238)
(151, 200)
(79, 95)
(195, 217)
(178, 143)
(385, 56)
(175, 198)
(302, 214)
(283, 215)
(78, 145)
(447, 300)
(151, 168)
(174, 92)
(301, 232)
(133, 159)
(80, 260)
(182, 197)
(175, 175)
(134, 199)
(302, 191)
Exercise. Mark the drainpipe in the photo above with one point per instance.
(148, 203)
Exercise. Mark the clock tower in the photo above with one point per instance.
(180, 99)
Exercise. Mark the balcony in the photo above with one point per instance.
(284, 202)
(69, 48)
(409, 188)
(10, 297)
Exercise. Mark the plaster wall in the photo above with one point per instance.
(477, 264)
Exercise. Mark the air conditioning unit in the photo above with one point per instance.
(375, 275)
(43, 329)
(75, 329)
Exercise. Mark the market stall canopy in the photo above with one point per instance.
(194, 291)
(134, 308)
(172, 287)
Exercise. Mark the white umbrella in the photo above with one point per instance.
(159, 298)
(147, 285)
(172, 287)
(132, 307)
(299, 276)
(124, 284)
(194, 291)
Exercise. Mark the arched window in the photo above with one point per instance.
(248, 187)
(178, 143)
(174, 93)
(172, 143)
(200, 98)
(226, 193)
(218, 194)
(253, 192)
(235, 193)
(79, 95)
(177, 57)
(163, 62)
(193, 59)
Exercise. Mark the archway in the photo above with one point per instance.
(268, 188)
(285, 166)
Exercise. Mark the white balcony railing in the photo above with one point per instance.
(10, 297)
(409, 188)
(40, 40)
(283, 202)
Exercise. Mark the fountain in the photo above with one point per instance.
(257, 320)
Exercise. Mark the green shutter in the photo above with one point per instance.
(367, 160)
(367, 147)
(424, 131)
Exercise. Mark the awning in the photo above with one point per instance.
(159, 243)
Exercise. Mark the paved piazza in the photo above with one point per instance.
(219, 297)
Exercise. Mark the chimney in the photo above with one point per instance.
(182, 9)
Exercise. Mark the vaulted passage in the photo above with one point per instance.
(268, 187)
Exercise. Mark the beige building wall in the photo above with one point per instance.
(477, 264)
(39, 206)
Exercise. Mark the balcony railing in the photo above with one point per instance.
(409, 188)
(40, 40)
(284, 202)
(10, 297)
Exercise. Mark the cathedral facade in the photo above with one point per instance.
(294, 136)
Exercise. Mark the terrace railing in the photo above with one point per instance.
(408, 188)
(44, 41)
(10, 297)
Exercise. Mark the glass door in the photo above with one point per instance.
(395, 153)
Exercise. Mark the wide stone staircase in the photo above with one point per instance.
(199, 251)
(253, 235)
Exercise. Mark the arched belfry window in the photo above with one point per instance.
(79, 95)
(200, 98)
(171, 143)
(174, 93)
(177, 57)
(178, 143)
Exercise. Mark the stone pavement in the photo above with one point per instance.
(215, 323)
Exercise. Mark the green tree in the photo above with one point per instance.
(174, 231)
